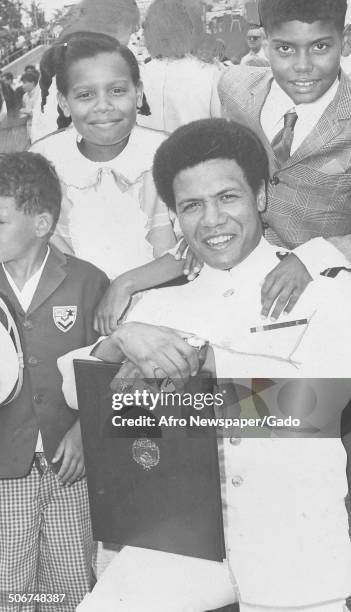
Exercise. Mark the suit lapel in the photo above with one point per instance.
(256, 99)
(330, 124)
(53, 275)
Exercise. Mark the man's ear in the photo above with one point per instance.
(261, 197)
(346, 41)
(62, 102)
(140, 91)
(43, 224)
(265, 47)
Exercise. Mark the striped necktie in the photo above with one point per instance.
(282, 142)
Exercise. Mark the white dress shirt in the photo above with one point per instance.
(25, 296)
(235, 298)
(308, 115)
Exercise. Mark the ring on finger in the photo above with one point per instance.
(155, 369)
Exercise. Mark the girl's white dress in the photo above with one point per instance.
(111, 214)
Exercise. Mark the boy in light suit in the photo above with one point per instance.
(301, 109)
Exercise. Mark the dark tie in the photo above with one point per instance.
(282, 142)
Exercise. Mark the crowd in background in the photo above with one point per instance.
(168, 62)
(14, 46)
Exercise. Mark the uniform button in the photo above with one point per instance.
(33, 361)
(229, 293)
(235, 441)
(265, 226)
(38, 398)
(28, 324)
(274, 180)
(237, 481)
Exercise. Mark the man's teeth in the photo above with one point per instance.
(218, 240)
(304, 83)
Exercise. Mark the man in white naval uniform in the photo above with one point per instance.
(284, 513)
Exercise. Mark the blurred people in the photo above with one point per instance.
(31, 95)
(30, 68)
(31, 92)
(255, 38)
(179, 85)
(9, 92)
(212, 50)
(137, 46)
(3, 107)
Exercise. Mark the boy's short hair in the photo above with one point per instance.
(30, 77)
(33, 183)
(275, 12)
(203, 140)
(254, 27)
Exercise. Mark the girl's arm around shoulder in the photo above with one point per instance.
(94, 283)
(117, 298)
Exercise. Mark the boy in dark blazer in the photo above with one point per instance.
(301, 109)
(45, 536)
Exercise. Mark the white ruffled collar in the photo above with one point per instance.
(136, 159)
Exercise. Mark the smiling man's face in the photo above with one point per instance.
(218, 212)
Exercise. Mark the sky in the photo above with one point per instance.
(49, 6)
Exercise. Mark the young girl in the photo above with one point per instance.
(111, 214)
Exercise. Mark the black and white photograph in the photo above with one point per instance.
(175, 305)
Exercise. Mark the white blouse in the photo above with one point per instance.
(111, 214)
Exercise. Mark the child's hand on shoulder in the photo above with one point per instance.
(284, 285)
(111, 307)
(70, 450)
(192, 265)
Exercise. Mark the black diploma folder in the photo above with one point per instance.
(151, 486)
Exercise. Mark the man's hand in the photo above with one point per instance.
(112, 307)
(285, 283)
(70, 450)
(158, 352)
(192, 265)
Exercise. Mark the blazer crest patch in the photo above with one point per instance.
(64, 317)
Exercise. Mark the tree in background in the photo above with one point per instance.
(36, 14)
(10, 14)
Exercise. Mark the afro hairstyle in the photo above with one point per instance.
(204, 140)
(275, 12)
